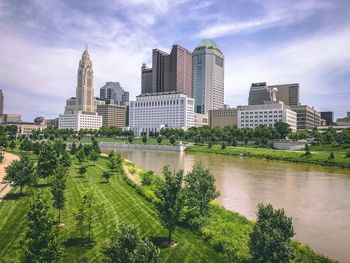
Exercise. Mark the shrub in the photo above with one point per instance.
(210, 144)
(331, 156)
(130, 139)
(147, 178)
(234, 142)
(172, 140)
(159, 139)
(348, 154)
(223, 145)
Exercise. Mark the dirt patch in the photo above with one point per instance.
(8, 159)
(132, 176)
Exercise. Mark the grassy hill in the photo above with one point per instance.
(122, 203)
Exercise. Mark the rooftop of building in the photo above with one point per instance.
(208, 43)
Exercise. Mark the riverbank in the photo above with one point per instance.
(320, 158)
(226, 231)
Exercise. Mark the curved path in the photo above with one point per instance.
(8, 159)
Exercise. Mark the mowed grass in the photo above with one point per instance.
(122, 204)
(317, 157)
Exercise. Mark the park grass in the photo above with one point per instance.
(122, 203)
(320, 157)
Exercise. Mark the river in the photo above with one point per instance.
(316, 197)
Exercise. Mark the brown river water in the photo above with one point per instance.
(316, 197)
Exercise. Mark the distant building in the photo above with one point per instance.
(328, 117)
(146, 79)
(208, 76)
(52, 123)
(10, 118)
(80, 112)
(1, 102)
(223, 117)
(169, 72)
(151, 112)
(343, 121)
(112, 115)
(307, 117)
(113, 92)
(267, 114)
(261, 92)
(28, 127)
(200, 120)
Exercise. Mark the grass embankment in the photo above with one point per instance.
(152, 141)
(122, 203)
(226, 231)
(318, 156)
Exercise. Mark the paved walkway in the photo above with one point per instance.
(8, 159)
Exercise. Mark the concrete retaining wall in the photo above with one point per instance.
(121, 145)
(289, 145)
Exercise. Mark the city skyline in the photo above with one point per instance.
(303, 42)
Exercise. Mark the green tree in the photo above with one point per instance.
(73, 149)
(307, 151)
(223, 145)
(172, 140)
(270, 240)
(147, 178)
(331, 156)
(130, 138)
(95, 146)
(282, 129)
(20, 172)
(170, 199)
(40, 243)
(80, 155)
(91, 211)
(82, 171)
(94, 156)
(12, 144)
(127, 246)
(58, 187)
(210, 144)
(144, 139)
(65, 160)
(47, 161)
(106, 175)
(159, 139)
(199, 189)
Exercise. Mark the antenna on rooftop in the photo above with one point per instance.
(86, 46)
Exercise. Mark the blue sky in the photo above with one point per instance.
(274, 41)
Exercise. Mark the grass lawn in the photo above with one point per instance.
(317, 157)
(122, 203)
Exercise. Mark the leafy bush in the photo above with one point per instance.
(223, 145)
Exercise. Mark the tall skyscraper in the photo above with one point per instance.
(80, 112)
(115, 93)
(85, 89)
(169, 72)
(146, 79)
(208, 76)
(1, 102)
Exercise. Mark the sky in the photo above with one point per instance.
(273, 41)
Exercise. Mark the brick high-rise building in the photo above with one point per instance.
(169, 72)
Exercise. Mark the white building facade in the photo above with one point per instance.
(78, 121)
(266, 114)
(151, 112)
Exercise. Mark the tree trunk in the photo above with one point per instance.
(21, 187)
(169, 237)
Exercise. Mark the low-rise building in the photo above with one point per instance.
(10, 118)
(307, 117)
(200, 119)
(78, 121)
(28, 127)
(343, 121)
(151, 112)
(112, 115)
(52, 123)
(268, 114)
(223, 117)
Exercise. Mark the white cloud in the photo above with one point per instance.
(313, 62)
